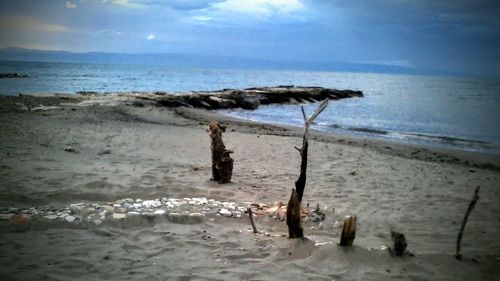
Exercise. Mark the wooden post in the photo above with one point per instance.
(293, 207)
(348, 231)
(222, 164)
(399, 243)
(250, 215)
(472, 203)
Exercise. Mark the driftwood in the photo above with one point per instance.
(472, 203)
(400, 243)
(348, 231)
(293, 216)
(222, 164)
(250, 215)
(293, 207)
(250, 98)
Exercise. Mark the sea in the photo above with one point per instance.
(453, 112)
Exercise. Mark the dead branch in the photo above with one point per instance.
(293, 207)
(469, 210)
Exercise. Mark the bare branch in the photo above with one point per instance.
(315, 114)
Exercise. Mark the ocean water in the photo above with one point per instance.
(457, 112)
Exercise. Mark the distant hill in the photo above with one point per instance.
(202, 61)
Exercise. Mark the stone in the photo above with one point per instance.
(151, 203)
(70, 218)
(133, 213)
(97, 221)
(51, 217)
(109, 209)
(6, 216)
(119, 216)
(138, 200)
(225, 212)
(196, 215)
(159, 212)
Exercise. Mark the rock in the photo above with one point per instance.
(12, 75)
(225, 212)
(77, 207)
(97, 221)
(51, 217)
(151, 203)
(6, 216)
(103, 152)
(196, 215)
(70, 149)
(109, 209)
(138, 200)
(119, 216)
(121, 210)
(133, 213)
(70, 218)
(159, 212)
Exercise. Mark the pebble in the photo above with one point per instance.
(6, 216)
(51, 217)
(225, 212)
(159, 212)
(196, 215)
(119, 216)
(70, 218)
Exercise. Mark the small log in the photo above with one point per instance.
(222, 164)
(400, 243)
(348, 231)
(250, 215)
(472, 203)
(293, 216)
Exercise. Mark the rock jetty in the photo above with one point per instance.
(12, 75)
(251, 98)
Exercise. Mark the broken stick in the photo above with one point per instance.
(472, 203)
(250, 215)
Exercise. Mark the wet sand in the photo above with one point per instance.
(98, 154)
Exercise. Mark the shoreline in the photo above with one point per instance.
(420, 151)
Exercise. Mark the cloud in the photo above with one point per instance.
(173, 4)
(150, 37)
(23, 23)
(71, 5)
(265, 8)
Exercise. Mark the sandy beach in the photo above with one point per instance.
(102, 153)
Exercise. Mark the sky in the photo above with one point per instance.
(446, 35)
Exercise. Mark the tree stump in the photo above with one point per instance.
(222, 164)
(348, 231)
(293, 216)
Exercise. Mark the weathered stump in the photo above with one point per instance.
(400, 243)
(293, 216)
(348, 231)
(222, 164)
